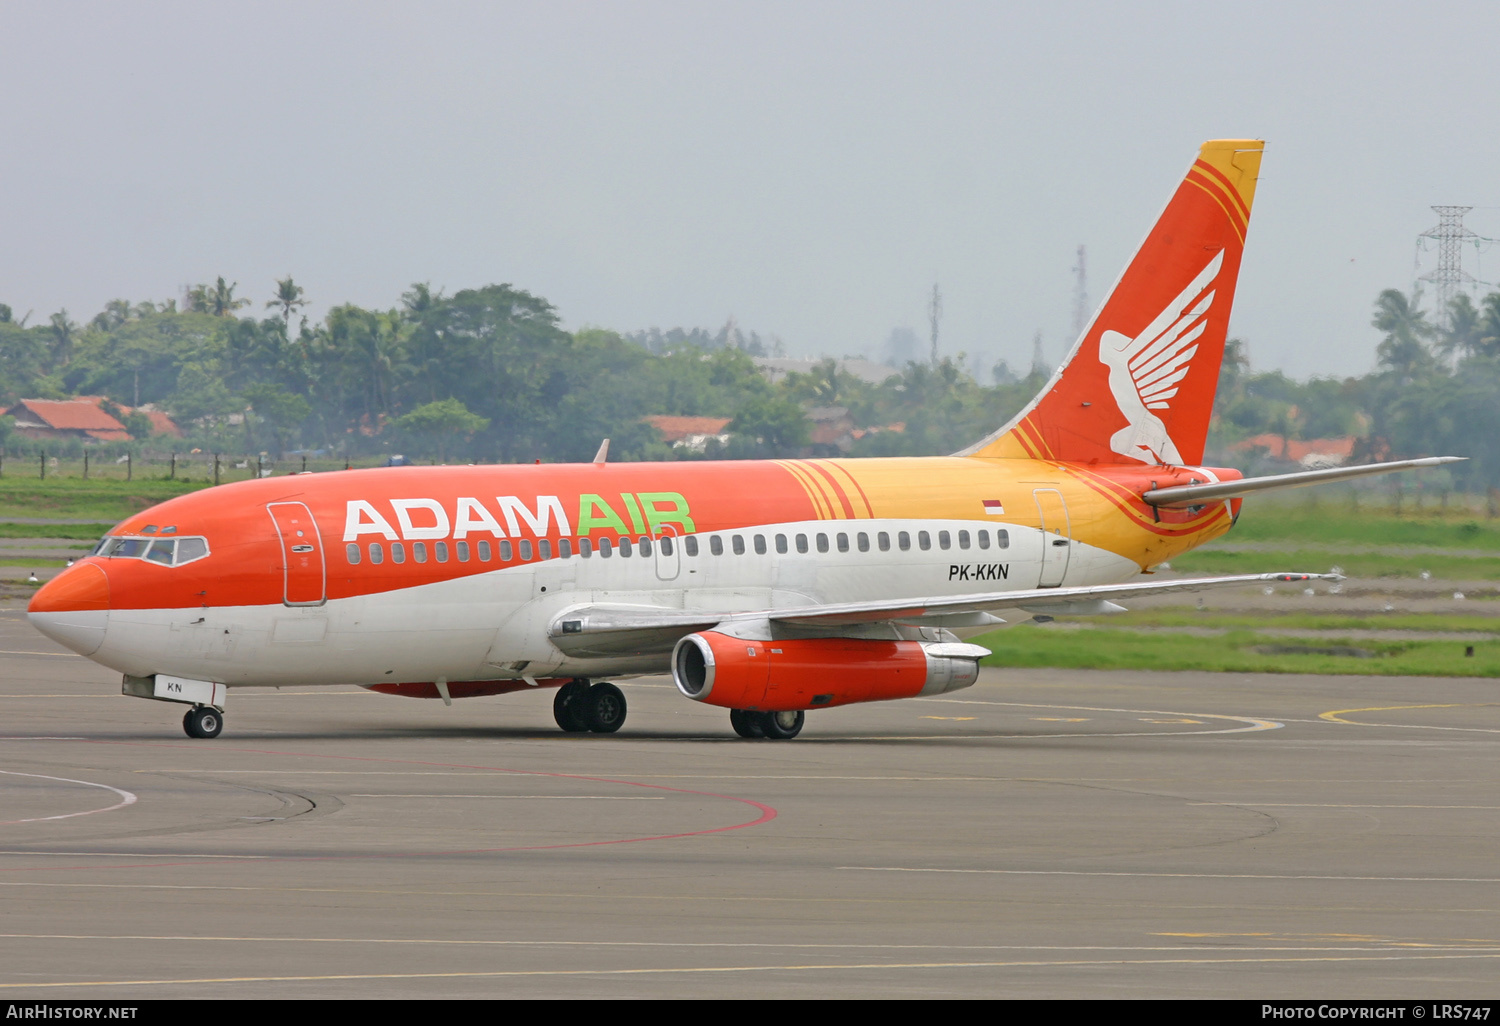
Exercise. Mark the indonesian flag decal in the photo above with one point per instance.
(993, 507)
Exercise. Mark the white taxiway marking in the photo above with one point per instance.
(126, 798)
(1177, 876)
(548, 797)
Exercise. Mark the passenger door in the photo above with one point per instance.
(1056, 536)
(303, 568)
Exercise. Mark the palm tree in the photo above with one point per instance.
(1464, 331)
(217, 299)
(1406, 326)
(288, 299)
(63, 331)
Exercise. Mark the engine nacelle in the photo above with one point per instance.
(815, 673)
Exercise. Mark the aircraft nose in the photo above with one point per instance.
(73, 608)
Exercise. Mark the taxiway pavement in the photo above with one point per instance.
(1042, 834)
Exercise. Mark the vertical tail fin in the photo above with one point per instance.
(1138, 386)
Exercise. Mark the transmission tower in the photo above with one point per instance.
(1080, 292)
(1450, 276)
(1038, 362)
(935, 314)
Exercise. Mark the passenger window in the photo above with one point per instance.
(739, 545)
(924, 540)
(585, 547)
(161, 552)
(903, 540)
(543, 549)
(440, 550)
(843, 540)
(419, 551)
(944, 540)
(864, 541)
(781, 543)
(461, 549)
(665, 544)
(524, 547)
(484, 552)
(884, 540)
(801, 543)
(606, 548)
(760, 545)
(822, 542)
(625, 547)
(1002, 539)
(351, 552)
(963, 539)
(564, 547)
(398, 552)
(189, 549)
(645, 547)
(716, 545)
(690, 545)
(505, 551)
(377, 553)
(984, 539)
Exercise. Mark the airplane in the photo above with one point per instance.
(770, 588)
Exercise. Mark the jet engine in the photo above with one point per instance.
(815, 673)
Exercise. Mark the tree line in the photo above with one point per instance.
(489, 375)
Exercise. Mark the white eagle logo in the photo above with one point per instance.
(1144, 371)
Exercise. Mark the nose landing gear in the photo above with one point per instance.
(203, 721)
(579, 707)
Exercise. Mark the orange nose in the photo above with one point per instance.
(79, 587)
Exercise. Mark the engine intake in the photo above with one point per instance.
(814, 673)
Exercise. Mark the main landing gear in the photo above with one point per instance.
(779, 726)
(203, 721)
(580, 707)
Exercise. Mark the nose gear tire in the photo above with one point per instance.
(203, 722)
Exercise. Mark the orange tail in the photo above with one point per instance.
(1139, 385)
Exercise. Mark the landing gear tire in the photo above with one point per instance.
(569, 706)
(203, 721)
(749, 725)
(783, 726)
(605, 708)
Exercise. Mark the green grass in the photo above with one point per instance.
(74, 498)
(1353, 564)
(1269, 621)
(79, 532)
(1106, 649)
(1331, 523)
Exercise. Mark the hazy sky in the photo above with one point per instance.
(809, 168)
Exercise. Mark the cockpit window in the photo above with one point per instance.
(165, 551)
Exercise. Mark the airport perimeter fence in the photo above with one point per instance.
(183, 465)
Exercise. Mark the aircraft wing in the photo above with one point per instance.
(610, 630)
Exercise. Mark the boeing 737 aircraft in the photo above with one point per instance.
(769, 588)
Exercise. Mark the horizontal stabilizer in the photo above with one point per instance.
(1197, 495)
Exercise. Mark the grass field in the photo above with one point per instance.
(1186, 616)
(1209, 560)
(1245, 651)
(74, 498)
